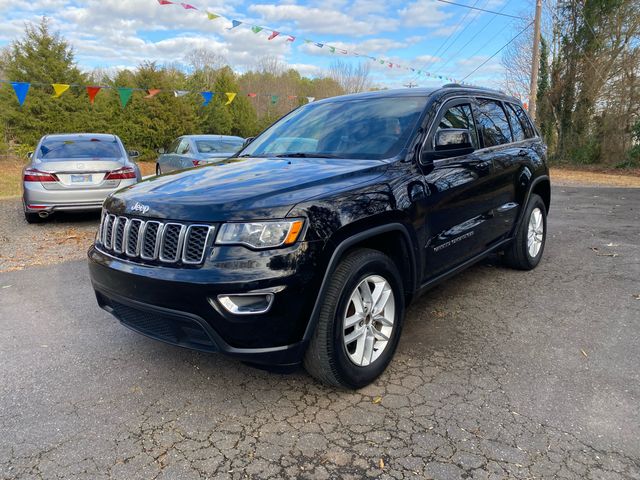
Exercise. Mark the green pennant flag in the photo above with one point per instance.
(274, 99)
(333, 49)
(256, 29)
(125, 95)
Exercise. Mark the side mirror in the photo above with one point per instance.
(453, 139)
(247, 141)
(161, 150)
(133, 153)
(30, 155)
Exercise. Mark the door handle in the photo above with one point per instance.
(523, 153)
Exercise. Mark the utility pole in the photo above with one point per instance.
(535, 65)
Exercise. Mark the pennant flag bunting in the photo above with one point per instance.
(252, 95)
(207, 98)
(291, 97)
(230, 97)
(21, 89)
(92, 92)
(152, 92)
(311, 99)
(180, 93)
(274, 99)
(292, 38)
(59, 88)
(125, 95)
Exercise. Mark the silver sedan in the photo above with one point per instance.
(191, 151)
(75, 172)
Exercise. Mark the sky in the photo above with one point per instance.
(427, 35)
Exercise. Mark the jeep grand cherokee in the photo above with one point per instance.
(308, 245)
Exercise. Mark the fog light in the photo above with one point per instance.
(247, 303)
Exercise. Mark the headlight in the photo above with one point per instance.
(269, 234)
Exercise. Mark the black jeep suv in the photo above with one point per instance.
(308, 245)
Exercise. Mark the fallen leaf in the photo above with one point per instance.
(377, 400)
(7, 286)
(584, 353)
(611, 244)
(636, 296)
(381, 463)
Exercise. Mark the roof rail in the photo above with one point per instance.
(474, 87)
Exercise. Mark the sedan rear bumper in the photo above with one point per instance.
(36, 198)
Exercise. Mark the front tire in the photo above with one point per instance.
(528, 245)
(359, 323)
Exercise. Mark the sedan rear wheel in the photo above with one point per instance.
(158, 169)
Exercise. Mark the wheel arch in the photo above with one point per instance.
(392, 239)
(541, 185)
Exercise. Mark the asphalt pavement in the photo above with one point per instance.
(499, 374)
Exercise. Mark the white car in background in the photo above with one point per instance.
(75, 172)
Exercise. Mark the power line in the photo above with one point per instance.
(470, 40)
(482, 9)
(501, 48)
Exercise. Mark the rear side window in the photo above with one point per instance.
(85, 148)
(492, 123)
(529, 131)
(459, 116)
(516, 126)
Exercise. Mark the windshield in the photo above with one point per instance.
(226, 145)
(85, 148)
(364, 128)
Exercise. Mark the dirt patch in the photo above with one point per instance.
(598, 178)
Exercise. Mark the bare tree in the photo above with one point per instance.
(271, 64)
(205, 59)
(352, 78)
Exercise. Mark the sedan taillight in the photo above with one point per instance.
(197, 163)
(121, 174)
(35, 175)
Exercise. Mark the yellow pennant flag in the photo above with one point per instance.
(59, 88)
(230, 97)
(212, 16)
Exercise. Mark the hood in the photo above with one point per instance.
(242, 188)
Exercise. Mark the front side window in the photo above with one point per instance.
(173, 148)
(362, 128)
(459, 116)
(492, 123)
(85, 148)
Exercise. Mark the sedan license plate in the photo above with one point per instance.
(81, 178)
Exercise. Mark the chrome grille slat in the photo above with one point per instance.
(153, 240)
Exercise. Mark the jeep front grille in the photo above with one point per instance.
(152, 240)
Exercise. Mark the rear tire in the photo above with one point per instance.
(33, 217)
(528, 245)
(158, 169)
(353, 345)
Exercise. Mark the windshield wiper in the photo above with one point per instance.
(306, 155)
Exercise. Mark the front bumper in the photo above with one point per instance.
(180, 306)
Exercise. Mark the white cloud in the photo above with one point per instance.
(424, 13)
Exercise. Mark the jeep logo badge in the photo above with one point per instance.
(139, 207)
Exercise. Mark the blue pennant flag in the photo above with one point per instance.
(235, 23)
(207, 98)
(21, 89)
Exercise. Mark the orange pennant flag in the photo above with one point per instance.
(59, 88)
(152, 92)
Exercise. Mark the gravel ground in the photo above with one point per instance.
(63, 237)
(499, 374)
